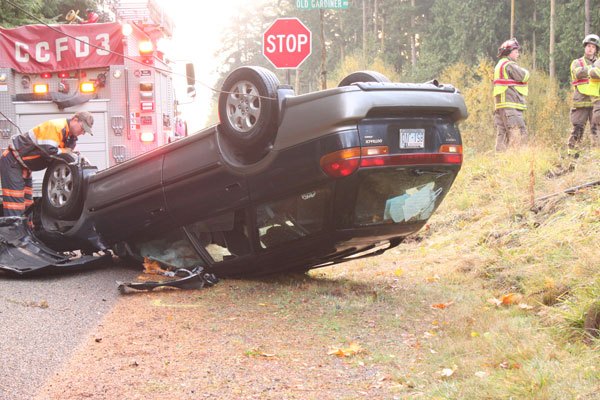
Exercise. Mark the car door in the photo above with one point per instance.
(197, 183)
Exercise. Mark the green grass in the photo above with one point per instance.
(487, 240)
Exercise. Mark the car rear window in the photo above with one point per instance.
(400, 195)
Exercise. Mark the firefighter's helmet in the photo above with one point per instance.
(593, 39)
(508, 46)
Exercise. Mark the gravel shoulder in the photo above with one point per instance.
(44, 319)
(237, 340)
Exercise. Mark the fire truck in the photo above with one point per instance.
(113, 70)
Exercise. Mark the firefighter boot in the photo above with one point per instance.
(515, 137)
(501, 139)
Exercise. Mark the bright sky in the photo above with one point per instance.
(198, 26)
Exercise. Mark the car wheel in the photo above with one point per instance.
(61, 190)
(248, 107)
(363, 76)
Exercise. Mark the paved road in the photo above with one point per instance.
(43, 319)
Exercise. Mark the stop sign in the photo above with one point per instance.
(287, 43)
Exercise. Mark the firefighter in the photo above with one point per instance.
(510, 89)
(584, 90)
(33, 151)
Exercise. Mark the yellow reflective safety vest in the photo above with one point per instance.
(587, 86)
(503, 81)
(595, 81)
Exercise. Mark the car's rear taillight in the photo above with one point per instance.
(451, 148)
(341, 163)
(411, 159)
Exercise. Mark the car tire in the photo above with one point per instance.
(363, 76)
(61, 190)
(248, 108)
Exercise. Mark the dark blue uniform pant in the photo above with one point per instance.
(17, 192)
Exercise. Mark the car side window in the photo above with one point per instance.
(224, 237)
(172, 249)
(292, 218)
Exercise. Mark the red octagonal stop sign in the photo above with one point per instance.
(287, 43)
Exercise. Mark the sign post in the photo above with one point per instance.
(287, 43)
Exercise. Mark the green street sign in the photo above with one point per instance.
(317, 4)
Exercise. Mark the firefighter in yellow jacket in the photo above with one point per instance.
(510, 89)
(33, 151)
(585, 90)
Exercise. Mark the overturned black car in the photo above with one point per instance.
(284, 183)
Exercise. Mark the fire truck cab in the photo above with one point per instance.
(114, 70)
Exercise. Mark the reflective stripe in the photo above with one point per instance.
(13, 192)
(517, 106)
(580, 82)
(509, 82)
(31, 157)
(13, 206)
(582, 104)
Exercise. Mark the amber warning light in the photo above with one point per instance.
(87, 87)
(40, 88)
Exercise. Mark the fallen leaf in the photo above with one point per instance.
(442, 306)
(352, 349)
(510, 299)
(447, 372)
(510, 365)
(398, 272)
(481, 374)
(257, 352)
(433, 278)
(474, 334)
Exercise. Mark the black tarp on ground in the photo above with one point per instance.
(22, 254)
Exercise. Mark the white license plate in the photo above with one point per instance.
(412, 138)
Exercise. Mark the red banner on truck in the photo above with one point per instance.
(39, 48)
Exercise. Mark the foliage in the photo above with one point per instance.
(15, 13)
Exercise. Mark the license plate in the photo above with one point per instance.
(412, 138)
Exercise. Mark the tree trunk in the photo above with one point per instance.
(382, 40)
(297, 81)
(533, 36)
(364, 31)
(413, 36)
(323, 52)
(375, 18)
(552, 69)
(587, 18)
(512, 18)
